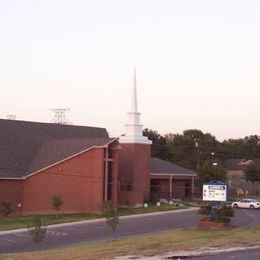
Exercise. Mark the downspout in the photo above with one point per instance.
(170, 186)
(106, 173)
(192, 186)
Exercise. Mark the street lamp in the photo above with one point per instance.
(198, 153)
(213, 163)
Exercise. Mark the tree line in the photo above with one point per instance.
(202, 152)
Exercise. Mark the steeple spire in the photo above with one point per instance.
(134, 107)
(134, 130)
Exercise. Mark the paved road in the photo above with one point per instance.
(98, 231)
(246, 218)
(251, 254)
(76, 234)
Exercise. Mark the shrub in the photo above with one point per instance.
(225, 211)
(222, 213)
(205, 209)
(37, 230)
(153, 198)
(6, 208)
(56, 203)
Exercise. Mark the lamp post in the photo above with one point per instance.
(212, 162)
(212, 154)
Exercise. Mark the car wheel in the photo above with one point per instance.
(235, 206)
(252, 207)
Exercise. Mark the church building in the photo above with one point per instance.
(80, 164)
(134, 159)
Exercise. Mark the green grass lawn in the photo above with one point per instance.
(183, 239)
(152, 208)
(22, 222)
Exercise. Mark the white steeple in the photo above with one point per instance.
(134, 107)
(133, 128)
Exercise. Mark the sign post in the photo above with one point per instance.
(214, 192)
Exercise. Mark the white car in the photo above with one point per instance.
(246, 204)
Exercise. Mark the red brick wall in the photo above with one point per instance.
(12, 190)
(178, 186)
(115, 154)
(134, 169)
(78, 181)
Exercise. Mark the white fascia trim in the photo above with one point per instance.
(68, 158)
(13, 178)
(173, 174)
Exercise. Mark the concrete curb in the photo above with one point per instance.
(196, 253)
(20, 230)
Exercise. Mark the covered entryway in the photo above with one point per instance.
(169, 180)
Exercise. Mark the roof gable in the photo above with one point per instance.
(234, 164)
(23, 143)
(159, 166)
(54, 151)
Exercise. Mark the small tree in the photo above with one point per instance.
(252, 172)
(56, 203)
(111, 215)
(6, 208)
(37, 230)
(209, 172)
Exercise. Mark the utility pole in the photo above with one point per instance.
(198, 154)
(212, 154)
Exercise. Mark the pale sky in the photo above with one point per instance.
(197, 62)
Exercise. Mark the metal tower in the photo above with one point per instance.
(60, 116)
(11, 117)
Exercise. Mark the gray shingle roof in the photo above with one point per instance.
(159, 166)
(233, 164)
(26, 147)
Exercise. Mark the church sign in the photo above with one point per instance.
(214, 192)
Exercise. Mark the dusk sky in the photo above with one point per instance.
(197, 63)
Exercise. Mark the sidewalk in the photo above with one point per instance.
(20, 230)
(204, 251)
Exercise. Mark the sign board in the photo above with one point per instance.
(214, 192)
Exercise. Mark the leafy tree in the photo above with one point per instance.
(6, 208)
(252, 172)
(192, 148)
(159, 148)
(37, 230)
(209, 172)
(111, 215)
(251, 146)
(246, 148)
(182, 150)
(232, 148)
(57, 203)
